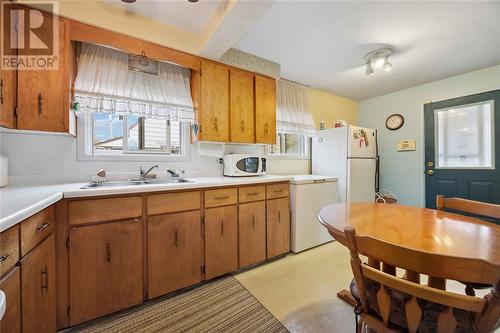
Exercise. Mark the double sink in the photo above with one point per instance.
(135, 182)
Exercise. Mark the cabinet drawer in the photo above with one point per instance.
(96, 210)
(173, 202)
(222, 197)
(252, 193)
(9, 252)
(36, 228)
(277, 190)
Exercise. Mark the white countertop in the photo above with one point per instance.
(20, 202)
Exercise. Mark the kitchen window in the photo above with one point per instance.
(131, 107)
(290, 145)
(134, 134)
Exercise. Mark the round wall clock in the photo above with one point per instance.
(394, 121)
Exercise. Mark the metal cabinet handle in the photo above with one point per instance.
(222, 198)
(222, 227)
(278, 191)
(43, 226)
(266, 128)
(1, 91)
(242, 126)
(279, 216)
(108, 251)
(4, 257)
(44, 275)
(40, 99)
(176, 238)
(253, 193)
(253, 221)
(216, 124)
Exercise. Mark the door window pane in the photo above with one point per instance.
(465, 137)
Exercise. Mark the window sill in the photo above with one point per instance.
(286, 157)
(135, 158)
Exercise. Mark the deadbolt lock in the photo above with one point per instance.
(430, 164)
(430, 172)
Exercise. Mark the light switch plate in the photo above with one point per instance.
(406, 145)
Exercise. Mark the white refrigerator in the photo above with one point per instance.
(350, 154)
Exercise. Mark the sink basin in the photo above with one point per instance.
(135, 182)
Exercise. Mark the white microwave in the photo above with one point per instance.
(239, 165)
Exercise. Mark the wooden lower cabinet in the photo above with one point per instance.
(278, 227)
(221, 241)
(174, 252)
(38, 287)
(10, 285)
(252, 233)
(106, 269)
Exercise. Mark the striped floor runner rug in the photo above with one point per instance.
(220, 306)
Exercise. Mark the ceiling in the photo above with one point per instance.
(182, 14)
(322, 43)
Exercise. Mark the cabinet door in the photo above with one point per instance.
(265, 110)
(106, 269)
(8, 98)
(278, 227)
(10, 285)
(252, 233)
(39, 289)
(174, 252)
(221, 241)
(214, 102)
(242, 106)
(41, 93)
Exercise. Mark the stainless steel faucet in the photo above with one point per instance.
(143, 174)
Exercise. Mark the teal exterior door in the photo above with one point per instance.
(462, 148)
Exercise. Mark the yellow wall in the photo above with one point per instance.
(328, 107)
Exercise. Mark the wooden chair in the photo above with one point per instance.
(481, 209)
(477, 208)
(384, 297)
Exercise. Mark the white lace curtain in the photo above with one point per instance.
(104, 83)
(292, 107)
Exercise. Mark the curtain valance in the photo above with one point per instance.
(292, 107)
(105, 83)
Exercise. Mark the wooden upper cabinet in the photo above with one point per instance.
(43, 96)
(39, 288)
(278, 227)
(242, 106)
(10, 285)
(106, 269)
(8, 103)
(214, 102)
(221, 241)
(174, 252)
(265, 110)
(252, 233)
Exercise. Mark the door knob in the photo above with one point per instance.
(430, 172)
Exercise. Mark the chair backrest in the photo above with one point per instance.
(468, 206)
(438, 268)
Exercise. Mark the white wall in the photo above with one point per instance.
(403, 172)
(52, 158)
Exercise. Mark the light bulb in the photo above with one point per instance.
(387, 66)
(379, 63)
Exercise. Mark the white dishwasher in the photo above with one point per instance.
(308, 194)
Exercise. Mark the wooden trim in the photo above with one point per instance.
(468, 303)
(83, 32)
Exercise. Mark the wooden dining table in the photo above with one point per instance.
(416, 228)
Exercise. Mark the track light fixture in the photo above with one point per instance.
(378, 59)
